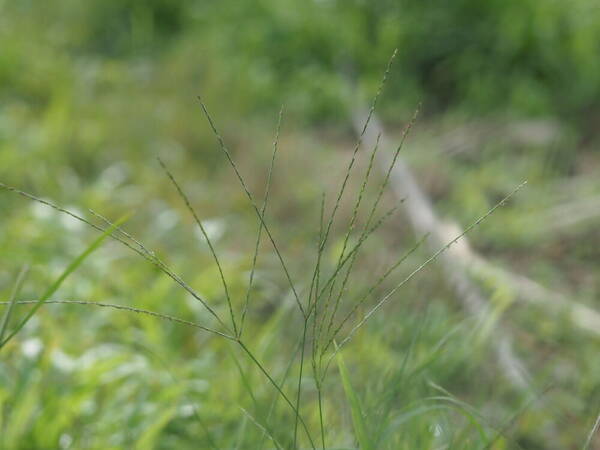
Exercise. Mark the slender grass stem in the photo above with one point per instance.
(192, 211)
(375, 285)
(354, 249)
(13, 299)
(353, 160)
(302, 351)
(253, 203)
(262, 428)
(129, 309)
(143, 252)
(358, 143)
(320, 403)
(283, 381)
(375, 204)
(314, 287)
(427, 262)
(260, 225)
(278, 388)
(347, 236)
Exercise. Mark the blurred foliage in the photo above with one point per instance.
(91, 92)
(532, 57)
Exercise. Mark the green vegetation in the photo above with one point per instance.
(255, 261)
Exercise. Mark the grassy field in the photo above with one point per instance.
(186, 311)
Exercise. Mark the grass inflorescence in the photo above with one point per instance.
(329, 317)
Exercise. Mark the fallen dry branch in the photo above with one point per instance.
(460, 260)
(424, 220)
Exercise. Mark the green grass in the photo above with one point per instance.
(228, 337)
(321, 323)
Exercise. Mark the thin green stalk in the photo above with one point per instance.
(129, 309)
(126, 235)
(315, 283)
(315, 341)
(283, 381)
(347, 236)
(320, 401)
(352, 252)
(253, 203)
(353, 160)
(262, 428)
(192, 211)
(378, 283)
(377, 200)
(355, 248)
(260, 225)
(429, 260)
(143, 252)
(278, 388)
(63, 276)
(165, 270)
(359, 142)
(13, 298)
(302, 350)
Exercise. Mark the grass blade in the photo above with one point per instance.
(13, 298)
(138, 248)
(208, 241)
(360, 428)
(260, 225)
(63, 276)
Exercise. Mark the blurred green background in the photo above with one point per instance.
(91, 92)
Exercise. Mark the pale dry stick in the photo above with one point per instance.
(129, 309)
(208, 241)
(314, 286)
(423, 218)
(593, 431)
(426, 263)
(568, 215)
(150, 258)
(224, 149)
(526, 289)
(260, 225)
